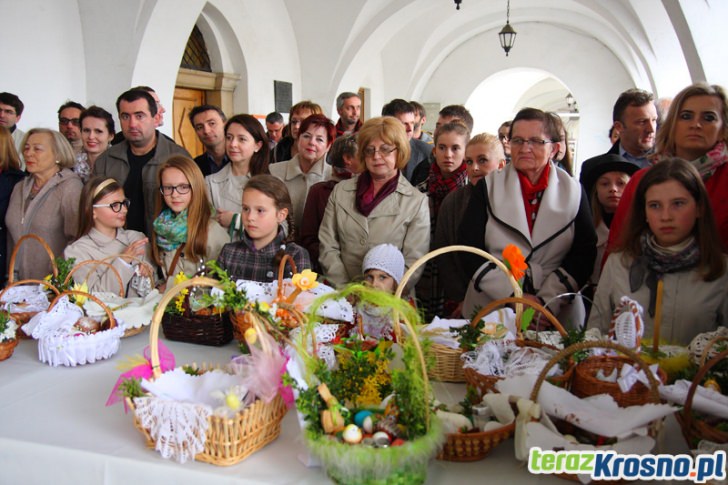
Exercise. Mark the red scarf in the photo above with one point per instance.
(438, 186)
(532, 194)
(366, 199)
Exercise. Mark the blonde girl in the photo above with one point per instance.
(266, 205)
(101, 234)
(185, 232)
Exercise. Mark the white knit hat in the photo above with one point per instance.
(386, 258)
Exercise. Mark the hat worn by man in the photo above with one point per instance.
(386, 258)
(595, 167)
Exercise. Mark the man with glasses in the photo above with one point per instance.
(134, 161)
(537, 207)
(69, 124)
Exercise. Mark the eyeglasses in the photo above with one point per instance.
(534, 142)
(384, 150)
(115, 206)
(181, 189)
(69, 121)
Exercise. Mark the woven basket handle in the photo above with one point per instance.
(14, 254)
(465, 249)
(97, 263)
(710, 345)
(109, 314)
(687, 414)
(505, 301)
(287, 258)
(604, 344)
(47, 284)
(170, 294)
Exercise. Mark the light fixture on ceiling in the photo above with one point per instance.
(571, 103)
(457, 4)
(507, 35)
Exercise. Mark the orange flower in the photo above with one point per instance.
(514, 260)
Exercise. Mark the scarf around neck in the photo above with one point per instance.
(366, 199)
(171, 229)
(657, 261)
(438, 186)
(532, 193)
(709, 163)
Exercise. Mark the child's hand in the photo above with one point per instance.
(224, 217)
(135, 250)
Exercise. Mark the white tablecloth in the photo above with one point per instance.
(55, 429)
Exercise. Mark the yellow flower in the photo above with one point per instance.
(48, 277)
(251, 336)
(80, 299)
(490, 328)
(305, 280)
(263, 307)
(180, 277)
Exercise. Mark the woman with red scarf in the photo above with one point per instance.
(537, 207)
(696, 130)
(379, 206)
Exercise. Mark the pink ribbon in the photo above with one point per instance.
(143, 371)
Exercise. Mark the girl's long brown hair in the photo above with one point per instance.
(199, 212)
(87, 200)
(712, 263)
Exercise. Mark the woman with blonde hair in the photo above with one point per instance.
(696, 130)
(379, 206)
(45, 203)
(185, 231)
(10, 175)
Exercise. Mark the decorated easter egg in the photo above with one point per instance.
(381, 439)
(352, 434)
(361, 416)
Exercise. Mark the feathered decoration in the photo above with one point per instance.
(140, 367)
(263, 368)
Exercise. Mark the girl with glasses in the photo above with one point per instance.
(101, 234)
(185, 231)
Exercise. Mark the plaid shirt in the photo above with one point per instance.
(243, 261)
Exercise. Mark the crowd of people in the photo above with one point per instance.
(363, 200)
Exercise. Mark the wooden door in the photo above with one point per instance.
(184, 134)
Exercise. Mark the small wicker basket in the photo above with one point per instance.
(228, 441)
(693, 428)
(7, 348)
(448, 365)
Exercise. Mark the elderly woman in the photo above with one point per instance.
(696, 130)
(45, 203)
(379, 206)
(309, 165)
(537, 207)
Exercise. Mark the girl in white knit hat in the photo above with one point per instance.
(383, 267)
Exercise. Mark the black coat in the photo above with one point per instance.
(8, 179)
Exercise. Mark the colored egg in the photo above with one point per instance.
(398, 442)
(352, 434)
(381, 439)
(361, 416)
(368, 424)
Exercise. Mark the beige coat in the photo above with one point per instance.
(689, 305)
(96, 245)
(52, 215)
(299, 183)
(401, 219)
(217, 237)
(225, 191)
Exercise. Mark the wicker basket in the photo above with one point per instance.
(228, 441)
(7, 348)
(653, 394)
(584, 382)
(405, 464)
(22, 318)
(485, 384)
(448, 366)
(694, 429)
(214, 329)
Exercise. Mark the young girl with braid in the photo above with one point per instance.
(256, 257)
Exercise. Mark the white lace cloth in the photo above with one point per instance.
(700, 342)
(324, 334)
(266, 292)
(439, 329)
(129, 312)
(28, 298)
(177, 428)
(60, 344)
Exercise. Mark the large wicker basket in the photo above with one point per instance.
(23, 317)
(693, 428)
(448, 366)
(228, 441)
